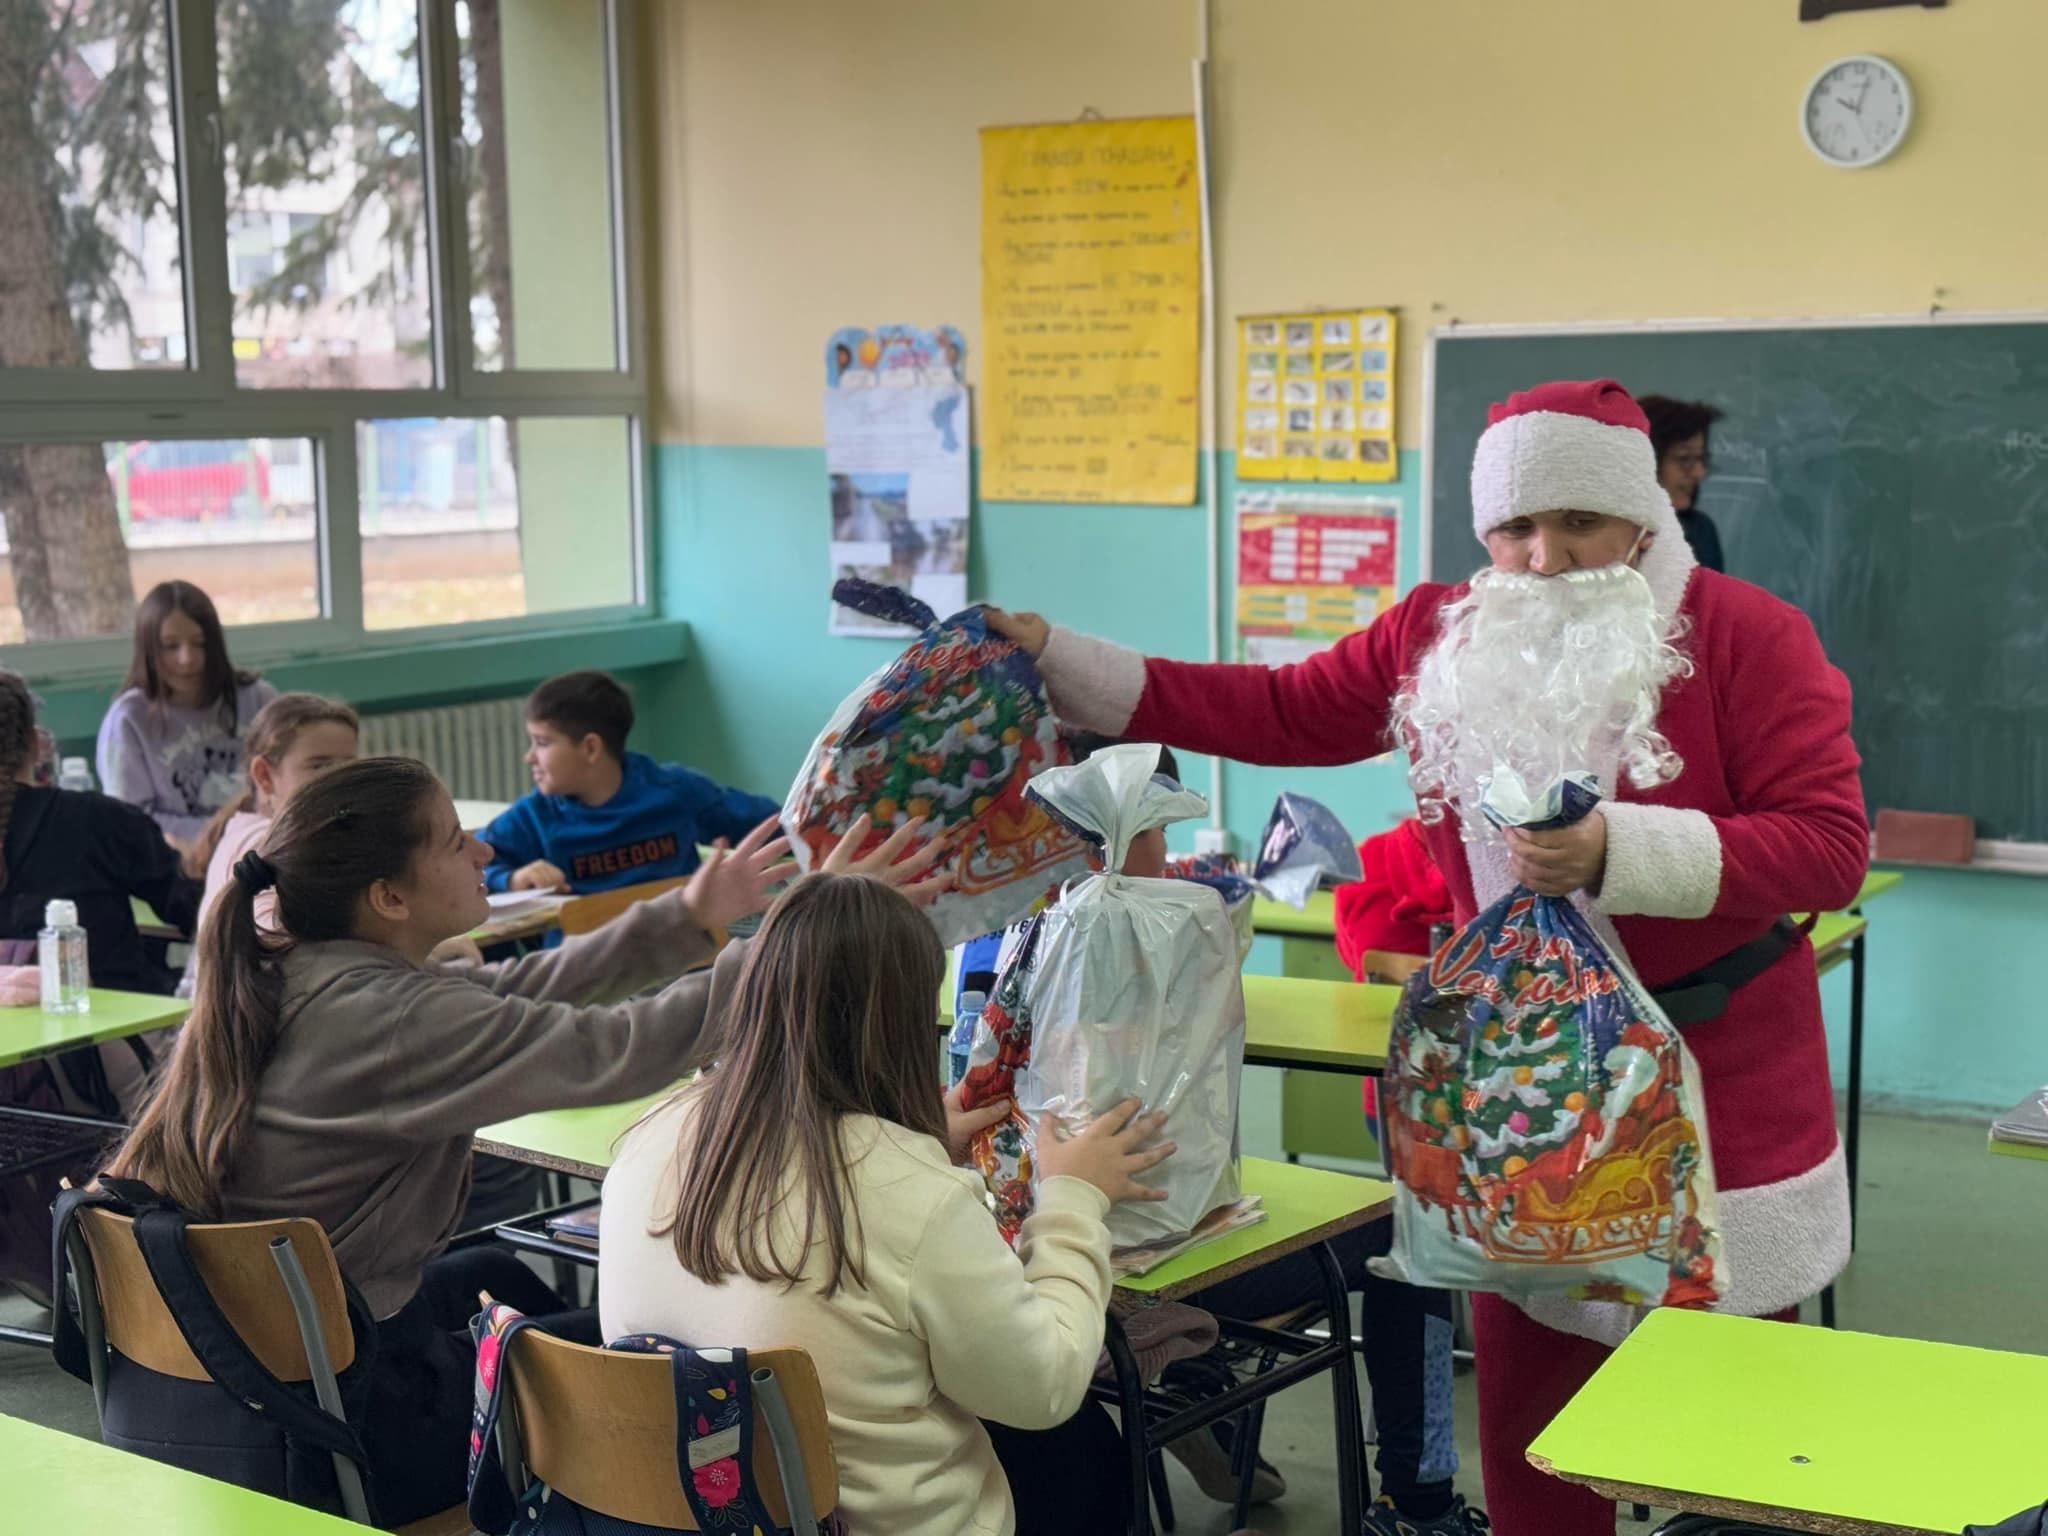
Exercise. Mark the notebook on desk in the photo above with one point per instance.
(578, 1226)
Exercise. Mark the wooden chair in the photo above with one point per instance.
(278, 1286)
(584, 913)
(1385, 965)
(599, 1426)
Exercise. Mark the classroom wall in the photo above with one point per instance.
(816, 165)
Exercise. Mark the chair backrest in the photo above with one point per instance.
(233, 1258)
(584, 913)
(1385, 965)
(599, 1427)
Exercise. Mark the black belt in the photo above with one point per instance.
(1703, 994)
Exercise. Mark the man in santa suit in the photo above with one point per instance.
(1732, 801)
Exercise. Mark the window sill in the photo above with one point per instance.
(377, 679)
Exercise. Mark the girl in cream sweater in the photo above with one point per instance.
(806, 1193)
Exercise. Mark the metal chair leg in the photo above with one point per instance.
(1162, 1496)
(1130, 1387)
(325, 1390)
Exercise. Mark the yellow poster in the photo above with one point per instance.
(1090, 308)
(1315, 396)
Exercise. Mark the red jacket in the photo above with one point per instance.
(1397, 899)
(1766, 818)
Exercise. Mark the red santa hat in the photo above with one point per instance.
(1576, 444)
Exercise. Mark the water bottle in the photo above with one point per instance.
(75, 774)
(966, 1018)
(60, 950)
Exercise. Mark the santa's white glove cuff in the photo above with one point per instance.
(1662, 861)
(1095, 684)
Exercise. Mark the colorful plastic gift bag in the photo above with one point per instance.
(1123, 988)
(1542, 1119)
(1304, 846)
(951, 730)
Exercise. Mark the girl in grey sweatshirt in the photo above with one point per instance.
(335, 1074)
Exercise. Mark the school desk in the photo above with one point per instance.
(2016, 1149)
(150, 926)
(1807, 1428)
(26, 1033)
(63, 1483)
(32, 1139)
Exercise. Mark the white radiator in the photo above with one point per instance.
(479, 750)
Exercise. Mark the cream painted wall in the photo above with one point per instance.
(1556, 160)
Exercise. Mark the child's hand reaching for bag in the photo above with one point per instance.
(734, 883)
(963, 1124)
(908, 872)
(1109, 1154)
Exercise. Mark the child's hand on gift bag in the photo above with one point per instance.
(1027, 631)
(890, 861)
(540, 875)
(1109, 1153)
(734, 883)
(1562, 860)
(964, 1124)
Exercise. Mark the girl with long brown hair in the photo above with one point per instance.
(806, 1193)
(328, 1071)
(172, 740)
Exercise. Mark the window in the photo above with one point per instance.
(369, 368)
(235, 515)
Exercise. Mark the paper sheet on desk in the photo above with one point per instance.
(506, 904)
(2026, 1122)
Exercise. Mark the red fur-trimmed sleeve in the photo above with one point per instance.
(1328, 710)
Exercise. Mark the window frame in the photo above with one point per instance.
(203, 400)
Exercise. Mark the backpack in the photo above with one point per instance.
(244, 1426)
(714, 1445)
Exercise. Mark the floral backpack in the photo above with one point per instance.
(714, 1445)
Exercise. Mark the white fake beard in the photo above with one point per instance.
(1541, 676)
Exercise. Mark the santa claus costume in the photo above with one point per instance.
(1765, 818)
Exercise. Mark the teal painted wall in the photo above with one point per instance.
(743, 560)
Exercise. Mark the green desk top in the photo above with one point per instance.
(148, 924)
(1290, 1022)
(1318, 921)
(26, 1033)
(1876, 883)
(1303, 1206)
(2016, 1149)
(577, 1141)
(1807, 1427)
(59, 1483)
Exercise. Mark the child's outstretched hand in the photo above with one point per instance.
(962, 1124)
(909, 873)
(1109, 1154)
(734, 883)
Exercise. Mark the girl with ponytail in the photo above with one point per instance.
(329, 1070)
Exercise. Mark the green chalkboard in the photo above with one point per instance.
(1890, 480)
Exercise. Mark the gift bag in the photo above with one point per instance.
(1123, 988)
(1303, 847)
(1542, 1120)
(951, 730)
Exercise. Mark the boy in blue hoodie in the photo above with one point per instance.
(600, 816)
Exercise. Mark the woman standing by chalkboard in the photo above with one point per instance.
(1678, 434)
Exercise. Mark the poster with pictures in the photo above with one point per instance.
(897, 448)
(1312, 566)
(1315, 397)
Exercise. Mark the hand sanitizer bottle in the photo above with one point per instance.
(60, 948)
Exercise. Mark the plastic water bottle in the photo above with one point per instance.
(75, 774)
(60, 950)
(966, 1018)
